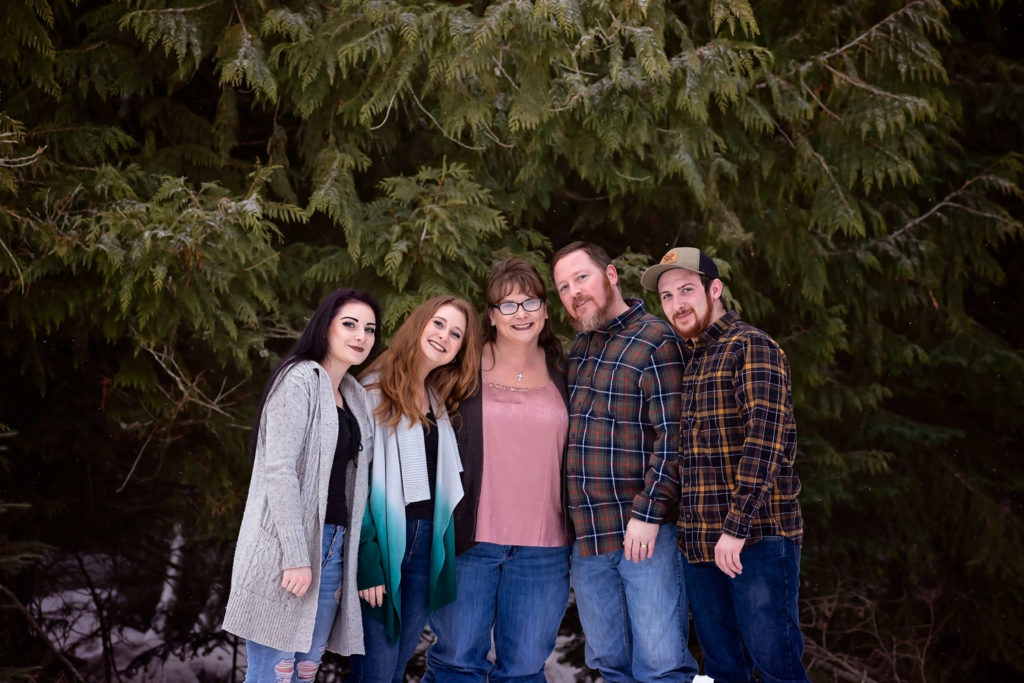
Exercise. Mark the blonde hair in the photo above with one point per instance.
(396, 368)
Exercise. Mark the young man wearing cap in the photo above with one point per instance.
(738, 510)
(621, 475)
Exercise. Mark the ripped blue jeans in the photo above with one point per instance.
(267, 665)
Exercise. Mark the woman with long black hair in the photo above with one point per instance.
(292, 595)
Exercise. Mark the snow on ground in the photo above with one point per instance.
(74, 628)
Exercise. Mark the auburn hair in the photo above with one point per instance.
(396, 369)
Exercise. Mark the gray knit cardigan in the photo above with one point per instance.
(282, 526)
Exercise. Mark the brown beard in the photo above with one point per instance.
(600, 316)
(699, 324)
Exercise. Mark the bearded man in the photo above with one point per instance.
(738, 511)
(621, 475)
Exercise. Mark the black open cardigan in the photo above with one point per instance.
(468, 424)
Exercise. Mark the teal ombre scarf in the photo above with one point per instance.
(398, 477)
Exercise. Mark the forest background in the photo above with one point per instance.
(182, 180)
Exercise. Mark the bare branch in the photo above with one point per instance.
(946, 201)
(441, 128)
(190, 394)
(18, 162)
(864, 36)
(820, 103)
(870, 88)
(41, 632)
(21, 275)
(386, 113)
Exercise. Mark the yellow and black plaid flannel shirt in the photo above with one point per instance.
(738, 440)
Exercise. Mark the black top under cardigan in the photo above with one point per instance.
(469, 434)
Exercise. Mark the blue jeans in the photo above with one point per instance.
(267, 665)
(752, 620)
(385, 661)
(634, 615)
(519, 591)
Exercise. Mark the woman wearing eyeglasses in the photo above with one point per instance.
(511, 539)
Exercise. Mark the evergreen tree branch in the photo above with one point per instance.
(173, 10)
(853, 80)
(874, 29)
(978, 212)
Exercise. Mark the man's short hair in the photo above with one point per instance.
(596, 254)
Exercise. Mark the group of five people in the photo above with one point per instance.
(474, 471)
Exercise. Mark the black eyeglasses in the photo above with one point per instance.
(510, 307)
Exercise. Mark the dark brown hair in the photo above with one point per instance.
(517, 272)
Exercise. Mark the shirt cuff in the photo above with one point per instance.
(737, 526)
(648, 510)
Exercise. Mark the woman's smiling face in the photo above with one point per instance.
(523, 325)
(442, 337)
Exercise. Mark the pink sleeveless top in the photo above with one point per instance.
(524, 433)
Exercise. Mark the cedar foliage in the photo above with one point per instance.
(181, 180)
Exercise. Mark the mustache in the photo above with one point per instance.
(580, 299)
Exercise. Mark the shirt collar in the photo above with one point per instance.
(714, 331)
(636, 310)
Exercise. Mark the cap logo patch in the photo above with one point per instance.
(670, 257)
